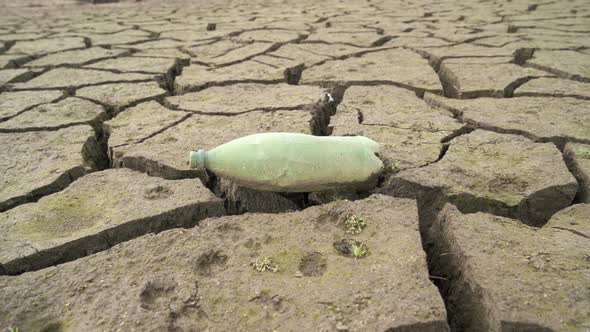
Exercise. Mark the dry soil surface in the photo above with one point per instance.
(480, 220)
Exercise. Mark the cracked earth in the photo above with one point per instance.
(479, 222)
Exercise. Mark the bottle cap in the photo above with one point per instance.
(197, 159)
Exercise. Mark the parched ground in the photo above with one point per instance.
(480, 221)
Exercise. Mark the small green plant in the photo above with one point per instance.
(396, 165)
(359, 251)
(13, 329)
(264, 263)
(354, 224)
(583, 153)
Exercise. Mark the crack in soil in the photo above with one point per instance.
(559, 141)
(64, 95)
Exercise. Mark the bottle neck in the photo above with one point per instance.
(197, 159)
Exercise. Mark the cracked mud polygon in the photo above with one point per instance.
(480, 220)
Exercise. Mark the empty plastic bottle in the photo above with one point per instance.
(290, 162)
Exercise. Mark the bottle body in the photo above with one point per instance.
(290, 162)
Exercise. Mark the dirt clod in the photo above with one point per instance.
(313, 265)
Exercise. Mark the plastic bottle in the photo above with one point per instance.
(290, 162)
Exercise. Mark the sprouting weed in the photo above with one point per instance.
(264, 263)
(359, 251)
(396, 165)
(12, 329)
(354, 224)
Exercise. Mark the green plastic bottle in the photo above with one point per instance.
(290, 162)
